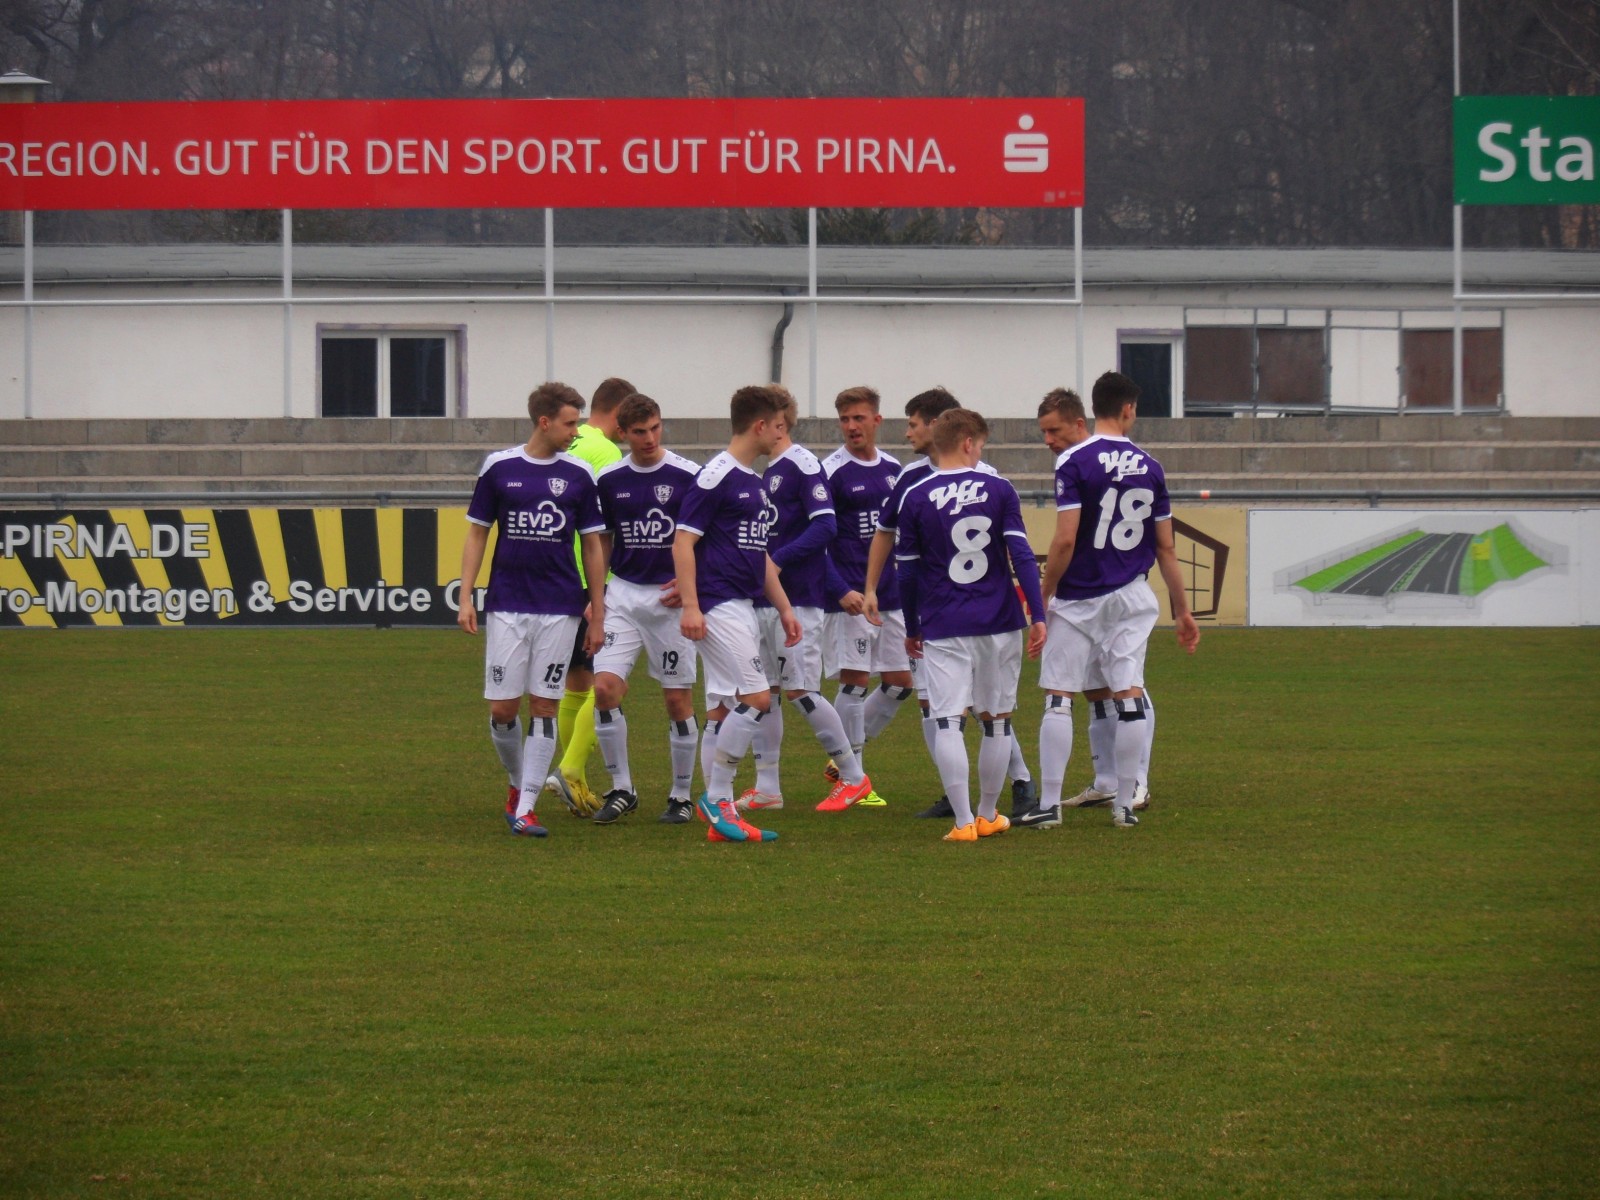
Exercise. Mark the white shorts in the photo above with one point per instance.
(637, 620)
(526, 654)
(1099, 642)
(979, 673)
(796, 668)
(731, 651)
(856, 644)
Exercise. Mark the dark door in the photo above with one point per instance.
(1149, 364)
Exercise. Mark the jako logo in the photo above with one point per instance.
(1027, 153)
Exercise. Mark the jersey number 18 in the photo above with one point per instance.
(1137, 504)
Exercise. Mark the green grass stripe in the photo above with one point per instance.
(1512, 557)
(1478, 574)
(1330, 577)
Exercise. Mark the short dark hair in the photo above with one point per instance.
(929, 404)
(611, 393)
(857, 395)
(788, 406)
(752, 404)
(638, 409)
(1111, 391)
(956, 425)
(1064, 401)
(548, 399)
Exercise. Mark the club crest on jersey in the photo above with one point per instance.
(1122, 463)
(819, 492)
(663, 492)
(958, 495)
(774, 484)
(557, 486)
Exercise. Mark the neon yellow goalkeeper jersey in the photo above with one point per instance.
(599, 451)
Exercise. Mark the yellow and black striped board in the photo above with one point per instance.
(232, 566)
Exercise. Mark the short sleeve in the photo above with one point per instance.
(590, 518)
(698, 511)
(483, 508)
(1068, 494)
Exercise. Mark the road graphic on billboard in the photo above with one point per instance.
(1418, 567)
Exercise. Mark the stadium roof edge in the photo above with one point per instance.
(776, 267)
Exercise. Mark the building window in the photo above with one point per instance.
(366, 371)
(1426, 368)
(1230, 367)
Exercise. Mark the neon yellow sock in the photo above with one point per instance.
(567, 715)
(580, 738)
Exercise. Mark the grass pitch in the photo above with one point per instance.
(265, 934)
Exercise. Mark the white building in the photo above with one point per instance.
(466, 331)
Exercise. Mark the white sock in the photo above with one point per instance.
(1103, 744)
(769, 748)
(1132, 729)
(851, 704)
(708, 750)
(1017, 768)
(537, 754)
(994, 754)
(739, 729)
(950, 756)
(930, 727)
(507, 741)
(611, 731)
(829, 728)
(1055, 749)
(682, 736)
(881, 707)
(1149, 739)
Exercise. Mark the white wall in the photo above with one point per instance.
(1552, 366)
(227, 361)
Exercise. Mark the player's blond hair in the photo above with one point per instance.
(955, 426)
(857, 395)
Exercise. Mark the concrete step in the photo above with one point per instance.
(1037, 485)
(401, 461)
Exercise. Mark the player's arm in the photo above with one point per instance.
(596, 556)
(1062, 544)
(693, 621)
(471, 561)
(1172, 576)
(1026, 568)
(779, 599)
(877, 558)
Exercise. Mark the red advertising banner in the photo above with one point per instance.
(301, 154)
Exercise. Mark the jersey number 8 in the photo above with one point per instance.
(1137, 504)
(970, 535)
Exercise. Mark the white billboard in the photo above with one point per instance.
(1424, 567)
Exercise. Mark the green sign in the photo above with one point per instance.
(1527, 149)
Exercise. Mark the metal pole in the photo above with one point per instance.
(1457, 341)
(811, 290)
(27, 314)
(1077, 291)
(288, 312)
(549, 294)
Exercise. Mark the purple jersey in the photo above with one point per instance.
(538, 503)
(797, 490)
(728, 510)
(959, 529)
(1122, 493)
(913, 473)
(641, 510)
(859, 487)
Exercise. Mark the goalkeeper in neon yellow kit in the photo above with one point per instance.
(596, 444)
